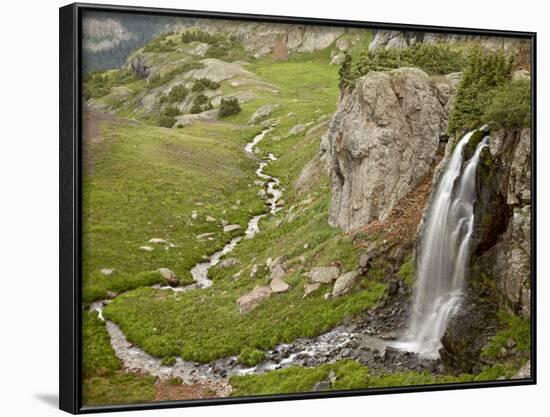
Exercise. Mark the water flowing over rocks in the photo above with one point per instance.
(381, 141)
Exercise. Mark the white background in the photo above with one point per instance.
(29, 205)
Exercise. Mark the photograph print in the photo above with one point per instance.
(274, 208)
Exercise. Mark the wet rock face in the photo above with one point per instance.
(502, 248)
(382, 140)
(467, 333)
(503, 217)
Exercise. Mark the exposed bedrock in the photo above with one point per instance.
(382, 141)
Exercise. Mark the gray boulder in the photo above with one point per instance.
(323, 274)
(253, 299)
(345, 283)
(261, 113)
(169, 276)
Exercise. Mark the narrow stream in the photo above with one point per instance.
(335, 344)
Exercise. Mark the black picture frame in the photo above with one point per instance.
(70, 210)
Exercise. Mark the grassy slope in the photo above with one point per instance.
(145, 183)
(154, 321)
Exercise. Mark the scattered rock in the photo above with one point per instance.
(520, 75)
(210, 219)
(321, 386)
(327, 296)
(524, 372)
(278, 285)
(169, 276)
(205, 236)
(194, 215)
(332, 377)
(277, 271)
(224, 222)
(253, 299)
(253, 271)
(107, 271)
(345, 283)
(309, 288)
(158, 241)
(324, 274)
(146, 248)
(231, 228)
(299, 128)
(261, 113)
(229, 262)
(111, 294)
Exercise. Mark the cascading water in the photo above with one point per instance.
(444, 253)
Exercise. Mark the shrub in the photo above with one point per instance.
(197, 35)
(483, 72)
(171, 111)
(166, 121)
(98, 84)
(200, 104)
(229, 106)
(177, 93)
(204, 84)
(433, 59)
(510, 105)
(160, 44)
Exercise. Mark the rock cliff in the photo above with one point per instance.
(382, 140)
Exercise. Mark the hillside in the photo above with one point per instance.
(254, 197)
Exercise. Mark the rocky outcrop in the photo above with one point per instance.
(382, 141)
(504, 246)
(388, 39)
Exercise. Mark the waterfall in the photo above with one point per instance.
(444, 253)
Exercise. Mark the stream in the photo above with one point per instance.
(339, 343)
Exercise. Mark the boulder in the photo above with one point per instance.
(278, 285)
(261, 113)
(309, 288)
(229, 262)
(158, 241)
(345, 283)
(277, 271)
(468, 331)
(231, 228)
(324, 274)
(205, 236)
(253, 299)
(299, 128)
(169, 276)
